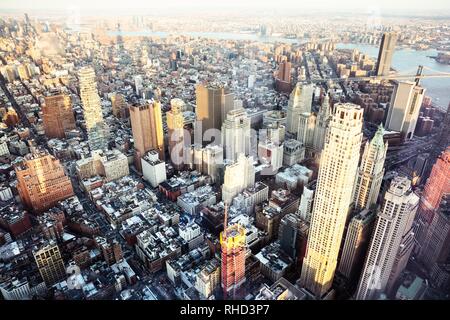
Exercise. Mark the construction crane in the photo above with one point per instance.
(419, 75)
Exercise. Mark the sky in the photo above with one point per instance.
(441, 7)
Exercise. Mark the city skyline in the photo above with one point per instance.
(224, 157)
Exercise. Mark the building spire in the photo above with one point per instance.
(225, 219)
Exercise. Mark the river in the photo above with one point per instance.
(406, 61)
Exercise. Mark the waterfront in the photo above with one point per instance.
(406, 61)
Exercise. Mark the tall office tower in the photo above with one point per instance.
(41, 181)
(57, 116)
(283, 77)
(147, 127)
(322, 124)
(176, 134)
(306, 128)
(355, 245)
(50, 264)
(92, 110)
(386, 52)
(337, 171)
(293, 235)
(435, 255)
(370, 172)
(444, 137)
(404, 108)
(238, 176)
(119, 105)
(398, 209)
(300, 101)
(213, 103)
(307, 200)
(213, 162)
(436, 186)
(233, 248)
(236, 134)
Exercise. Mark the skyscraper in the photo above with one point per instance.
(436, 186)
(283, 77)
(57, 115)
(147, 128)
(176, 134)
(50, 264)
(238, 176)
(370, 172)
(119, 105)
(96, 130)
(337, 171)
(213, 103)
(386, 52)
(444, 137)
(356, 242)
(322, 124)
(393, 223)
(404, 108)
(233, 247)
(435, 255)
(41, 182)
(300, 101)
(236, 134)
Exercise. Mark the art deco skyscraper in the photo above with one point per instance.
(213, 103)
(50, 264)
(405, 107)
(386, 52)
(300, 101)
(176, 134)
(233, 247)
(96, 129)
(322, 124)
(437, 185)
(41, 182)
(393, 222)
(370, 172)
(337, 171)
(236, 134)
(57, 115)
(147, 128)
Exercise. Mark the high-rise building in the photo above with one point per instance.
(386, 52)
(283, 77)
(236, 134)
(119, 105)
(42, 182)
(393, 223)
(212, 159)
(356, 242)
(444, 138)
(233, 248)
(404, 108)
(306, 129)
(370, 172)
(238, 176)
(436, 186)
(50, 264)
(147, 127)
(96, 129)
(435, 255)
(322, 124)
(57, 116)
(153, 169)
(337, 172)
(213, 103)
(300, 101)
(176, 134)
(306, 201)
